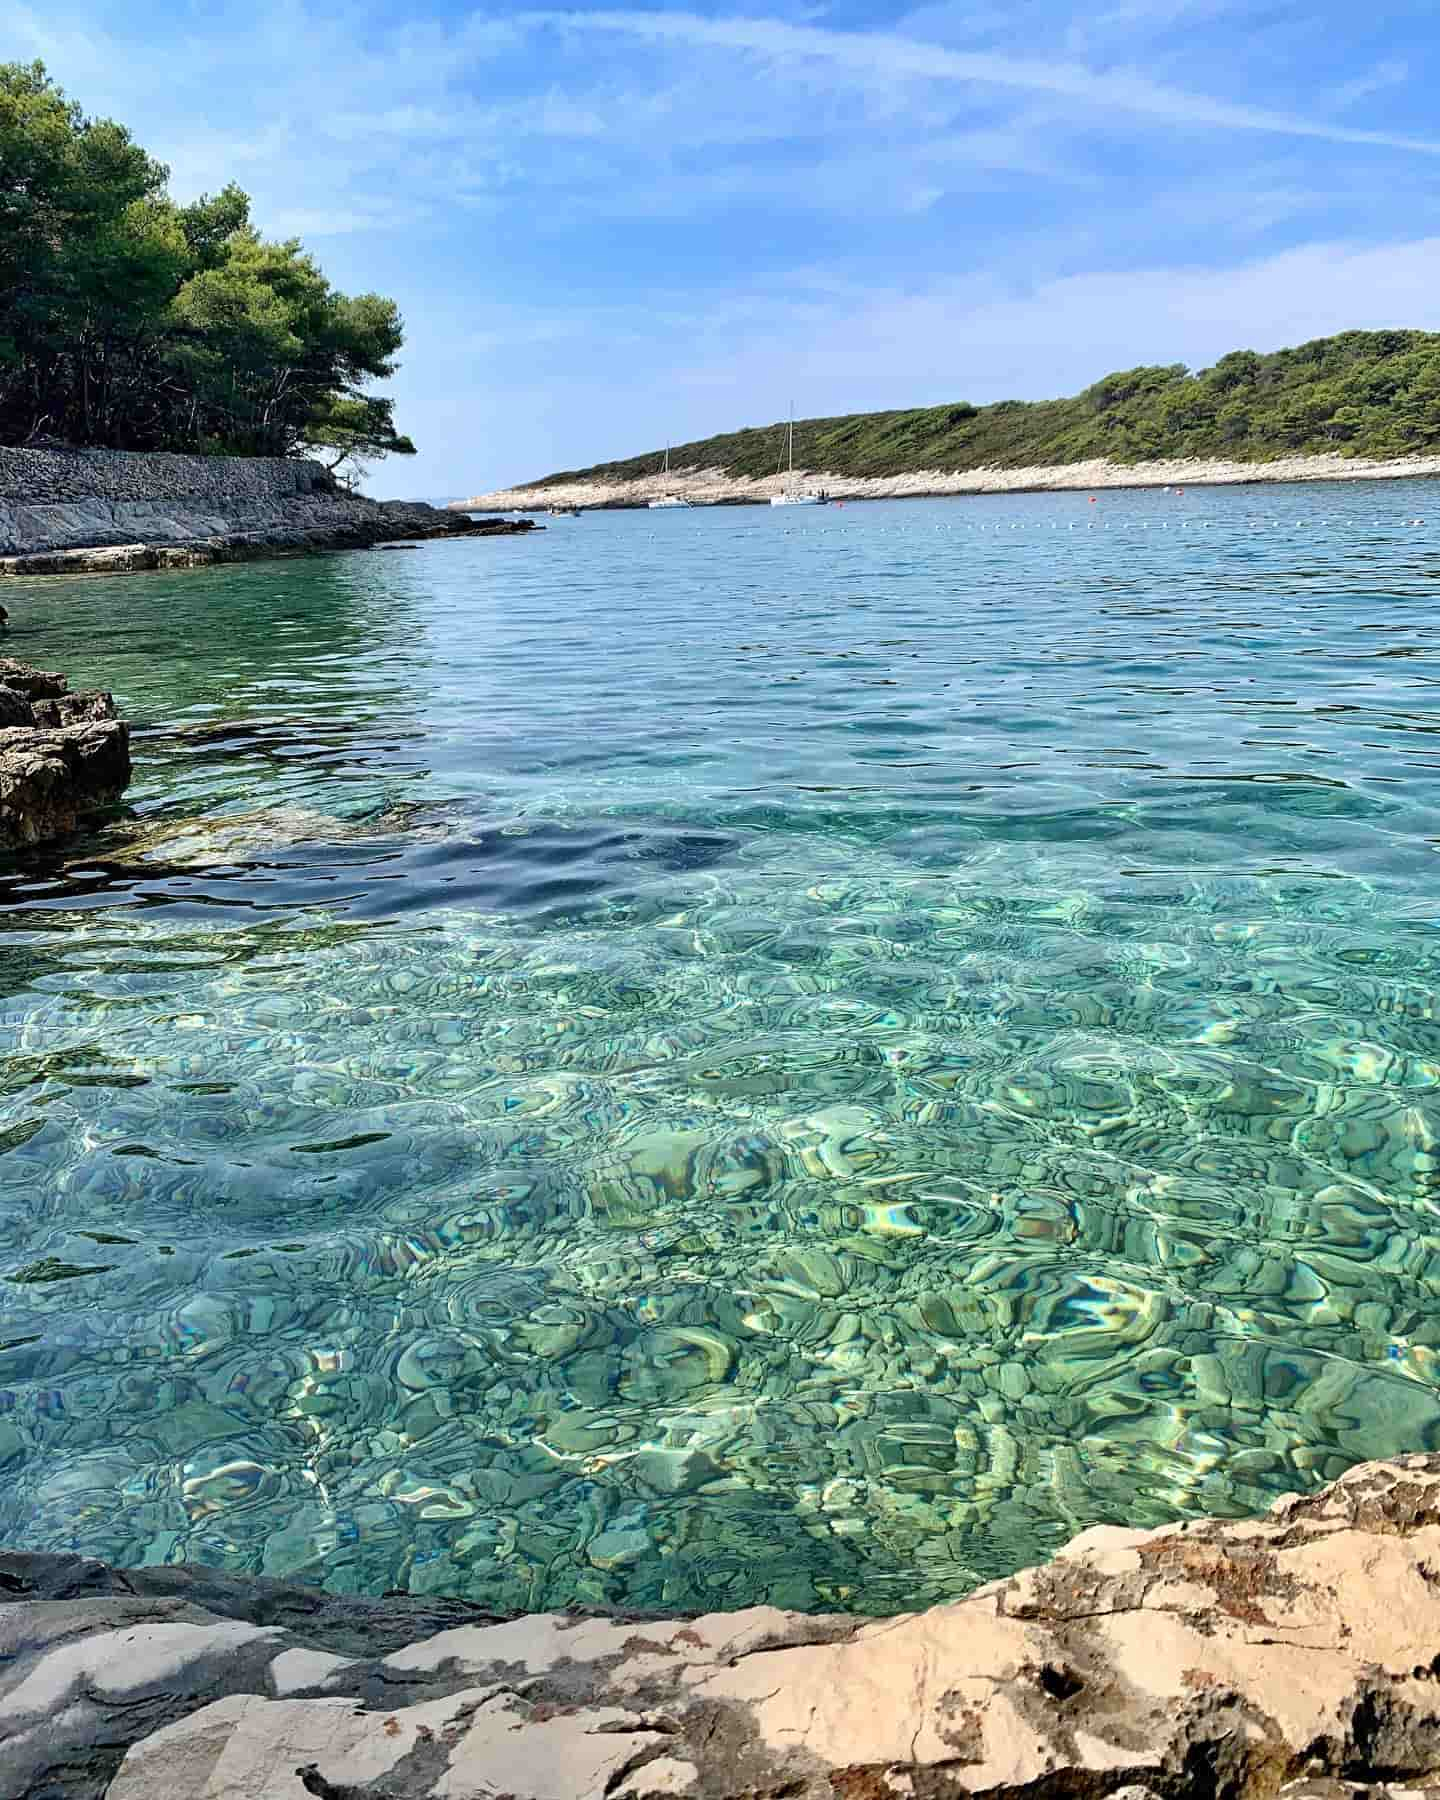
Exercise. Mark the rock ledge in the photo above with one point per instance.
(1297, 1655)
(62, 755)
(94, 537)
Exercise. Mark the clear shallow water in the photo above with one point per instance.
(701, 1059)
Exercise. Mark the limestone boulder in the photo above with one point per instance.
(51, 778)
(34, 684)
(15, 709)
(74, 709)
(62, 755)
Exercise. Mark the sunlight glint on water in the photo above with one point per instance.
(701, 1059)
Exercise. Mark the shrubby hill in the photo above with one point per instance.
(1363, 393)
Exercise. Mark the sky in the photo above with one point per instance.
(609, 227)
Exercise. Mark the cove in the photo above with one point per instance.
(697, 1060)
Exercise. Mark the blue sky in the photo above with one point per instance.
(612, 225)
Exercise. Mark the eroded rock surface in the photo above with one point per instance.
(67, 512)
(1298, 1654)
(103, 537)
(62, 755)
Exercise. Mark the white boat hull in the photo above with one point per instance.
(793, 494)
(672, 505)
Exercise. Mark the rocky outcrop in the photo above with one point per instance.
(177, 538)
(113, 512)
(1298, 1654)
(62, 755)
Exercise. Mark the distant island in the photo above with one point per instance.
(1361, 403)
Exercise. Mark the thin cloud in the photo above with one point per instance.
(868, 54)
(1388, 74)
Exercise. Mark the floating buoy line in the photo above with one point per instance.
(1236, 527)
(1091, 525)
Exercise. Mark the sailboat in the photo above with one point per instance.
(790, 494)
(668, 500)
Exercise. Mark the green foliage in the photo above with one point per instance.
(1363, 393)
(131, 322)
(354, 430)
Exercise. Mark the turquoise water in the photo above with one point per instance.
(702, 1058)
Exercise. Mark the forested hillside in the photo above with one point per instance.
(134, 323)
(1363, 393)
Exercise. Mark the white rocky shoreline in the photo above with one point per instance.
(1294, 1655)
(715, 487)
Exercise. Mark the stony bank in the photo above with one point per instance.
(1294, 1655)
(112, 511)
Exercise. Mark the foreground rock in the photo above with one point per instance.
(94, 537)
(1298, 1654)
(62, 755)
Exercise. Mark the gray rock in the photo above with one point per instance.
(51, 778)
(15, 709)
(618, 1548)
(674, 1471)
(112, 512)
(341, 1624)
(74, 709)
(62, 755)
(35, 684)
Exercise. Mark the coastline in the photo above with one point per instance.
(1287, 1655)
(78, 512)
(714, 487)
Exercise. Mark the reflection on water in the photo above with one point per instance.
(699, 1060)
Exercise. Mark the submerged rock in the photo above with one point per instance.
(1290, 1655)
(223, 838)
(62, 755)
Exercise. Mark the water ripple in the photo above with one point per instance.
(693, 1063)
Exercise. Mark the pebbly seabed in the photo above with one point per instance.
(720, 1059)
